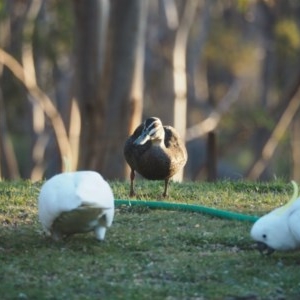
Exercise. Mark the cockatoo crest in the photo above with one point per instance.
(292, 200)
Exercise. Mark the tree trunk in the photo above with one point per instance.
(179, 71)
(266, 22)
(8, 161)
(195, 53)
(124, 110)
(110, 62)
(296, 150)
(91, 19)
(38, 141)
(211, 156)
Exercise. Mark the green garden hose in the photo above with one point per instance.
(188, 207)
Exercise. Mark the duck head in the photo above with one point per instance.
(153, 130)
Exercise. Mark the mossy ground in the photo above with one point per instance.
(148, 254)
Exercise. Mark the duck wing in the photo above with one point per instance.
(175, 144)
(131, 151)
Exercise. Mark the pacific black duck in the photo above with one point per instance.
(154, 151)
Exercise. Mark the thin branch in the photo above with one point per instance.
(212, 121)
(171, 13)
(43, 100)
(74, 132)
(269, 148)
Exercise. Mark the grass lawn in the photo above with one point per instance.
(148, 253)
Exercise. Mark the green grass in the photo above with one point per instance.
(148, 254)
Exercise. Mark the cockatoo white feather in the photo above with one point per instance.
(79, 190)
(280, 229)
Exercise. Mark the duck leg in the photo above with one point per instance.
(132, 176)
(165, 194)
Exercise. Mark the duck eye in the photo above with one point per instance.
(264, 236)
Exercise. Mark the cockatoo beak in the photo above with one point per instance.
(264, 249)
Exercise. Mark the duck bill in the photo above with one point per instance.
(264, 249)
(142, 139)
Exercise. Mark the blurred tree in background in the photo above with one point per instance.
(76, 78)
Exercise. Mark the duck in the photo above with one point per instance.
(154, 151)
(76, 202)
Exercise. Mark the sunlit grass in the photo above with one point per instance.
(148, 254)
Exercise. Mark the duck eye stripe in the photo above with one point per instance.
(152, 131)
(151, 126)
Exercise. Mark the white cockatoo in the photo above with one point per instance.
(76, 202)
(279, 229)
